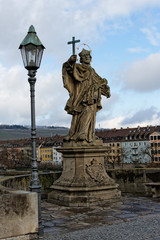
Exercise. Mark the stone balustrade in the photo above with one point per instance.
(18, 206)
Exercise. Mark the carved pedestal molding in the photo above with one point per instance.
(84, 180)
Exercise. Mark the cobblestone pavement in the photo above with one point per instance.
(78, 222)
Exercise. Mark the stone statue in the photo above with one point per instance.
(85, 88)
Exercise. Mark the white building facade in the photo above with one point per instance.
(57, 157)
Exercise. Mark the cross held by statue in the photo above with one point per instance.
(73, 42)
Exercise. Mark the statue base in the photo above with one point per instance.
(84, 181)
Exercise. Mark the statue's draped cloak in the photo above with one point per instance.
(85, 87)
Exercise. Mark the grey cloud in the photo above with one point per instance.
(57, 21)
(141, 116)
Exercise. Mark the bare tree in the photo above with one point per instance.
(113, 156)
(136, 157)
(15, 157)
(124, 154)
(147, 150)
(4, 157)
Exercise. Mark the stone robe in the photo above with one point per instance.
(85, 88)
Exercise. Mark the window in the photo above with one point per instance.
(156, 159)
(155, 144)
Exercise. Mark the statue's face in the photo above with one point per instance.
(85, 58)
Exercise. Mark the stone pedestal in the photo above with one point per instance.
(84, 180)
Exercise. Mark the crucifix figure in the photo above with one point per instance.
(85, 89)
(73, 42)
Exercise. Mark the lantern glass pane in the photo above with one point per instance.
(39, 55)
(23, 53)
(31, 56)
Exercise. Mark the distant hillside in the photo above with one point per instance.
(13, 133)
(4, 126)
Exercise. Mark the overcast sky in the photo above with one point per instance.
(124, 36)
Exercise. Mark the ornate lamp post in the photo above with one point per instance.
(32, 51)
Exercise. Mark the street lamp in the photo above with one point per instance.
(32, 51)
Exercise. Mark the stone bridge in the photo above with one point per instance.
(18, 205)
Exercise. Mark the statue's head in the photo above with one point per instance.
(85, 56)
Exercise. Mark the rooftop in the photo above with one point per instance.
(123, 134)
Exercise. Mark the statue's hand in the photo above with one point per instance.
(105, 80)
(72, 59)
(108, 94)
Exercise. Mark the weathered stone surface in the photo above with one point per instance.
(32, 236)
(155, 189)
(84, 198)
(83, 167)
(121, 177)
(22, 182)
(135, 180)
(18, 214)
(84, 180)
